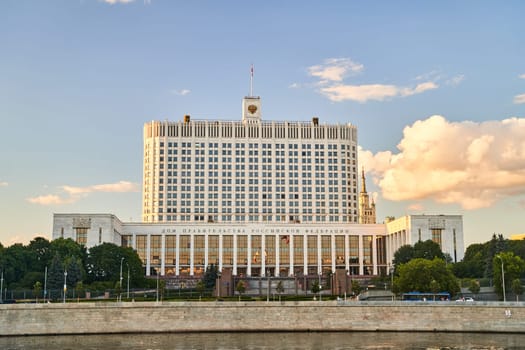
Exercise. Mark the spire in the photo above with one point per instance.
(363, 181)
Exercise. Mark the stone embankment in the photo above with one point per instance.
(148, 317)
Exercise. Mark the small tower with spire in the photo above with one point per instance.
(367, 207)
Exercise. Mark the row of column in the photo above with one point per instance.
(263, 264)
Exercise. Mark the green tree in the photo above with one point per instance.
(434, 287)
(55, 275)
(37, 289)
(404, 254)
(104, 262)
(356, 287)
(16, 260)
(316, 288)
(279, 289)
(40, 249)
(75, 271)
(513, 268)
(474, 287)
(200, 287)
(423, 249)
(494, 247)
(428, 250)
(79, 289)
(418, 274)
(473, 263)
(240, 288)
(210, 276)
(517, 288)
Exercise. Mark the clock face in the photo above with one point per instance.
(252, 109)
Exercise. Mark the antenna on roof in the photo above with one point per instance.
(251, 80)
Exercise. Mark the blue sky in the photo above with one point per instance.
(436, 89)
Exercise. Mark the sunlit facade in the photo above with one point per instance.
(259, 198)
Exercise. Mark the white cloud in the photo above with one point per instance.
(112, 2)
(182, 92)
(519, 99)
(51, 199)
(294, 86)
(73, 194)
(4, 184)
(335, 69)
(377, 92)
(458, 79)
(522, 76)
(471, 164)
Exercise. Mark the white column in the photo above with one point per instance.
(361, 267)
(177, 255)
(374, 254)
(221, 256)
(148, 254)
(249, 251)
(319, 261)
(277, 255)
(234, 255)
(263, 255)
(162, 254)
(347, 253)
(291, 254)
(305, 254)
(206, 262)
(192, 245)
(332, 244)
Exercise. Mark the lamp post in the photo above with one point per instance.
(65, 285)
(502, 278)
(2, 287)
(391, 270)
(320, 297)
(127, 295)
(45, 285)
(120, 286)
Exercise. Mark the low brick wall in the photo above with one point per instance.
(98, 318)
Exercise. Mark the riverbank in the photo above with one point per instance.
(172, 317)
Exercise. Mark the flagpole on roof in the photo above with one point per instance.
(251, 80)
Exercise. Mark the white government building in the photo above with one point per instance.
(260, 198)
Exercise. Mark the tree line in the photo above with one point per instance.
(424, 268)
(65, 261)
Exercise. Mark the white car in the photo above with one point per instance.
(467, 299)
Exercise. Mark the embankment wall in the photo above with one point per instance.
(146, 317)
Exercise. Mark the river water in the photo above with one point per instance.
(269, 341)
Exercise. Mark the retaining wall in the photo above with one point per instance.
(144, 317)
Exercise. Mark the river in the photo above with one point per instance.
(269, 341)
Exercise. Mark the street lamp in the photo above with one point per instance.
(120, 287)
(128, 283)
(45, 285)
(502, 278)
(1, 287)
(320, 297)
(65, 285)
(391, 270)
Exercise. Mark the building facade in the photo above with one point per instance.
(249, 171)
(258, 198)
(186, 249)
